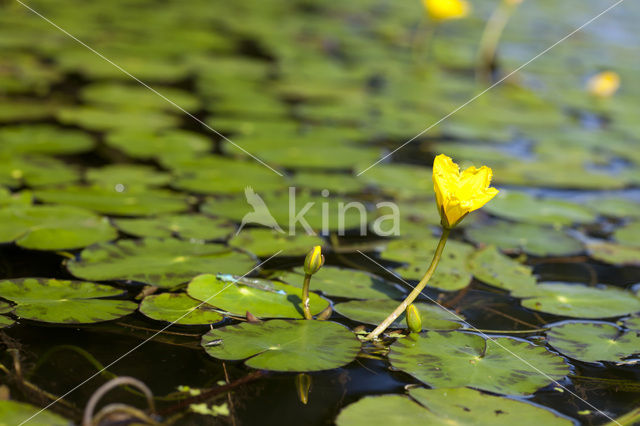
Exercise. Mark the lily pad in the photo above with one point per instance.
(375, 311)
(524, 207)
(141, 202)
(127, 176)
(615, 254)
(619, 207)
(452, 273)
(146, 145)
(161, 262)
(14, 413)
(629, 235)
(579, 301)
(385, 410)
(532, 239)
(5, 321)
(501, 365)
(106, 119)
(16, 171)
(632, 323)
(187, 226)
(136, 96)
(339, 282)
(263, 298)
(496, 269)
(266, 242)
(43, 139)
(63, 301)
(53, 227)
(178, 308)
(280, 345)
(593, 341)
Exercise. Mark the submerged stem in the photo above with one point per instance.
(490, 39)
(305, 297)
(417, 289)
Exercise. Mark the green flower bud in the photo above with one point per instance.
(313, 261)
(414, 320)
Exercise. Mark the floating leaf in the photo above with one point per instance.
(375, 311)
(616, 254)
(187, 226)
(160, 262)
(593, 341)
(14, 413)
(579, 301)
(494, 268)
(53, 227)
(43, 139)
(133, 95)
(106, 119)
(385, 410)
(280, 345)
(629, 235)
(142, 202)
(614, 207)
(347, 283)
(146, 145)
(532, 239)
(179, 308)
(266, 242)
(524, 207)
(63, 301)
(16, 171)
(127, 176)
(263, 298)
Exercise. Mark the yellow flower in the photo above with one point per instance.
(458, 194)
(441, 10)
(604, 84)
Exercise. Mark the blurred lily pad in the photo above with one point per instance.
(501, 365)
(593, 341)
(335, 183)
(375, 311)
(134, 202)
(629, 235)
(532, 239)
(524, 207)
(280, 345)
(632, 323)
(615, 207)
(63, 301)
(43, 139)
(187, 226)
(16, 171)
(340, 282)
(127, 176)
(263, 298)
(179, 308)
(14, 412)
(145, 145)
(496, 269)
(385, 410)
(452, 273)
(265, 242)
(133, 95)
(615, 254)
(53, 227)
(579, 301)
(161, 262)
(400, 180)
(106, 119)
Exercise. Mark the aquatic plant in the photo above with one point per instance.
(312, 264)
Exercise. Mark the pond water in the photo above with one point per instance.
(129, 162)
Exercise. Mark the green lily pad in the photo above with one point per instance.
(5, 321)
(141, 202)
(579, 301)
(452, 273)
(53, 227)
(523, 207)
(133, 95)
(161, 262)
(22, 198)
(280, 345)
(14, 413)
(127, 176)
(614, 207)
(615, 254)
(339, 282)
(63, 301)
(335, 183)
(43, 139)
(385, 410)
(146, 145)
(496, 269)
(632, 323)
(400, 180)
(178, 308)
(106, 119)
(263, 298)
(593, 341)
(628, 234)
(451, 359)
(375, 311)
(34, 171)
(266, 242)
(187, 226)
(532, 239)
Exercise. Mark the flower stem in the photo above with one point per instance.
(490, 39)
(305, 297)
(417, 289)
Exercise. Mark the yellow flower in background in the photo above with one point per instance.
(441, 10)
(604, 84)
(458, 194)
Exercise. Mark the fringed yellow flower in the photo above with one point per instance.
(441, 10)
(458, 194)
(604, 84)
